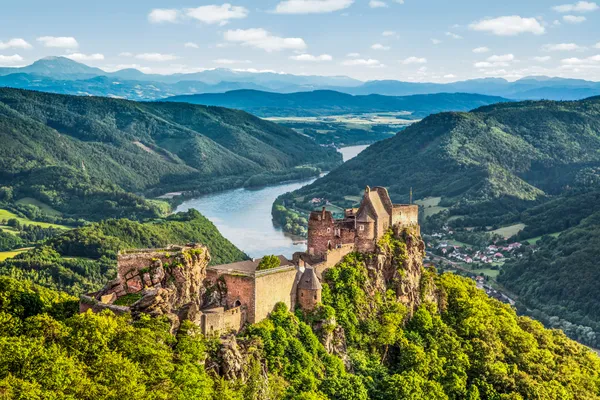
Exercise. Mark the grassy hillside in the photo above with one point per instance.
(498, 158)
(80, 155)
(84, 259)
(328, 102)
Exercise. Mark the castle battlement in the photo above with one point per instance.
(361, 227)
(178, 281)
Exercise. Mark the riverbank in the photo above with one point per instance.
(243, 215)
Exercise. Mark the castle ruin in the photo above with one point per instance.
(179, 283)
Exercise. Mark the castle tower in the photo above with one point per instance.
(309, 290)
(320, 233)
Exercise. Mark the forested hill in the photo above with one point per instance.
(328, 102)
(56, 147)
(506, 152)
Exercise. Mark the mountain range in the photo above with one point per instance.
(65, 76)
(328, 102)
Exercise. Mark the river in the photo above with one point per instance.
(244, 215)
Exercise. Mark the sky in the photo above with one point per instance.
(409, 40)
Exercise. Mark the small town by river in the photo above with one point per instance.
(244, 215)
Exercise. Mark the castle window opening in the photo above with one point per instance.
(361, 228)
(237, 303)
(328, 230)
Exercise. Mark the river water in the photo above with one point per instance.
(244, 215)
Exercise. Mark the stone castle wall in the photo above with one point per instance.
(405, 215)
(240, 288)
(220, 320)
(272, 287)
(332, 258)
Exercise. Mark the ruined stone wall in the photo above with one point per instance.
(333, 257)
(272, 287)
(320, 232)
(220, 320)
(240, 288)
(141, 269)
(405, 215)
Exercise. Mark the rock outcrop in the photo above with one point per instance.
(157, 282)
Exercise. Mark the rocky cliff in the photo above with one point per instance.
(156, 282)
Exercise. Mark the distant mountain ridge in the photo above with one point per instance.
(65, 76)
(328, 102)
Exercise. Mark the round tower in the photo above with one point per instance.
(309, 290)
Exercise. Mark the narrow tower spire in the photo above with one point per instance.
(410, 196)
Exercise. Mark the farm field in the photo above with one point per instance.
(509, 231)
(6, 215)
(430, 206)
(538, 238)
(4, 255)
(42, 206)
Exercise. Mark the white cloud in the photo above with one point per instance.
(509, 26)
(311, 58)
(229, 62)
(542, 59)
(379, 46)
(562, 47)
(574, 19)
(262, 39)
(436, 41)
(597, 46)
(85, 57)
(156, 57)
(160, 15)
(481, 50)
(495, 61)
(582, 6)
(377, 4)
(60, 42)
(15, 43)
(355, 55)
(414, 60)
(6, 60)
(311, 6)
(453, 35)
(502, 58)
(363, 62)
(213, 14)
(450, 76)
(191, 45)
(388, 33)
(125, 54)
(581, 61)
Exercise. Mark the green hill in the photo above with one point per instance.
(361, 343)
(84, 259)
(329, 102)
(83, 155)
(490, 162)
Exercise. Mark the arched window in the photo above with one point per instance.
(237, 303)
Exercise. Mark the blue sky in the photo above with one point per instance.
(412, 40)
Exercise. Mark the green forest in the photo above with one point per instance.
(82, 260)
(93, 158)
(459, 344)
